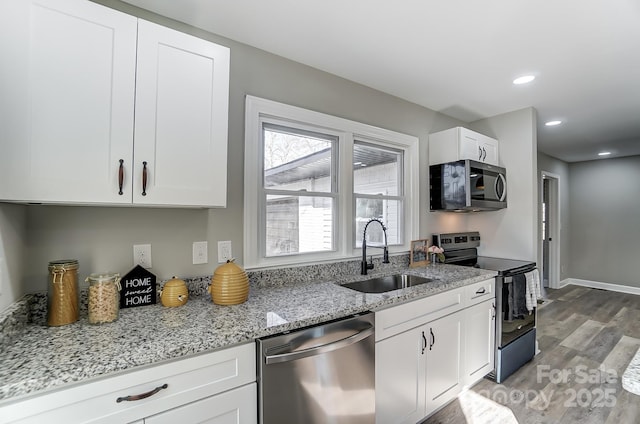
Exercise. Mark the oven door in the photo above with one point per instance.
(516, 319)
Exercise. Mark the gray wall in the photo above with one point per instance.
(13, 231)
(512, 232)
(561, 169)
(101, 238)
(604, 221)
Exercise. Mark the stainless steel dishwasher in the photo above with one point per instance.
(323, 374)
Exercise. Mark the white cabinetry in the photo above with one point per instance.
(237, 406)
(427, 350)
(400, 378)
(218, 386)
(461, 143)
(181, 115)
(444, 360)
(78, 71)
(479, 321)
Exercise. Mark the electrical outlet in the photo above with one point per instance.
(142, 255)
(200, 254)
(224, 251)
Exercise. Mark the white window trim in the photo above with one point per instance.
(257, 109)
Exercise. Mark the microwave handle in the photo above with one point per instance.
(504, 184)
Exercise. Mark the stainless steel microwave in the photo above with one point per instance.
(466, 186)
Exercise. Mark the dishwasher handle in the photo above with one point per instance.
(292, 356)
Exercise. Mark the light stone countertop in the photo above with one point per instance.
(631, 377)
(42, 358)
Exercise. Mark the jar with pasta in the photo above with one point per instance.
(103, 297)
(62, 293)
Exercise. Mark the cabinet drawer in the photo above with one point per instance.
(186, 380)
(403, 317)
(479, 292)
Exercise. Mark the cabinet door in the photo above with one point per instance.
(479, 341)
(489, 149)
(238, 406)
(400, 383)
(444, 361)
(65, 141)
(468, 146)
(182, 98)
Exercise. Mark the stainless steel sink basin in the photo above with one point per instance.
(389, 283)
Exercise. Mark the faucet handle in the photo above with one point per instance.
(370, 264)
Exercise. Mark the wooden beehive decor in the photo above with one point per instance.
(138, 288)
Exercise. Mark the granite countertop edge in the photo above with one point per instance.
(42, 358)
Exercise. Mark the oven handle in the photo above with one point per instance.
(292, 356)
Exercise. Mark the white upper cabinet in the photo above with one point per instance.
(80, 75)
(182, 100)
(461, 143)
(76, 123)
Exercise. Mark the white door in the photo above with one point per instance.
(444, 362)
(400, 373)
(182, 97)
(238, 406)
(479, 333)
(76, 125)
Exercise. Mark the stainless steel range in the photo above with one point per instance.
(515, 330)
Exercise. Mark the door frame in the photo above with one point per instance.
(554, 227)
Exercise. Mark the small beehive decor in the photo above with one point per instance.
(174, 293)
(229, 285)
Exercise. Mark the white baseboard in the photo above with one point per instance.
(598, 285)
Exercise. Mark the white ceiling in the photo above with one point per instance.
(459, 57)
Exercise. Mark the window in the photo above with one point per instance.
(378, 192)
(299, 190)
(312, 182)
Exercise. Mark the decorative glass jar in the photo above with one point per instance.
(103, 297)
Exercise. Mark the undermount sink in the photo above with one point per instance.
(389, 283)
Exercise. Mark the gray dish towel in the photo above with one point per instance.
(518, 297)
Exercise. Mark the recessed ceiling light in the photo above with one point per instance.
(552, 123)
(604, 153)
(524, 79)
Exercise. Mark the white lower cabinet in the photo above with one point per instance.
(428, 360)
(216, 387)
(238, 406)
(444, 360)
(400, 378)
(479, 341)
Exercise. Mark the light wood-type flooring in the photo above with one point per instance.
(587, 337)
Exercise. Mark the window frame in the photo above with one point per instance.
(347, 132)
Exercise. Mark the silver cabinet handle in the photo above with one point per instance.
(292, 356)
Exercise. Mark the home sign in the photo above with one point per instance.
(138, 288)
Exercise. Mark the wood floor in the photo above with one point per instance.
(587, 338)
